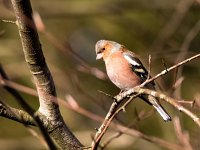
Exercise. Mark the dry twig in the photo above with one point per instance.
(182, 136)
(67, 50)
(78, 109)
(138, 91)
(183, 53)
(170, 27)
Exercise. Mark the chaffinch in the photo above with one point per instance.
(126, 71)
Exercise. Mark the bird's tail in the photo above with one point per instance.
(153, 101)
(162, 112)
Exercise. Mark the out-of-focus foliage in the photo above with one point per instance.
(135, 24)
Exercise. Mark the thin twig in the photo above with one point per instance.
(183, 52)
(106, 94)
(21, 117)
(149, 68)
(183, 137)
(187, 102)
(35, 134)
(98, 118)
(122, 95)
(164, 64)
(118, 134)
(161, 96)
(170, 69)
(29, 110)
(113, 109)
(9, 21)
(177, 83)
(109, 117)
(187, 41)
(170, 27)
(67, 50)
(142, 115)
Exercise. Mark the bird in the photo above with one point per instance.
(126, 71)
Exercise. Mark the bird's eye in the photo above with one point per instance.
(101, 50)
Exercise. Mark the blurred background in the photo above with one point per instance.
(168, 30)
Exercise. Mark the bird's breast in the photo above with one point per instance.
(120, 73)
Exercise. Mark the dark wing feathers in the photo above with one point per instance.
(136, 66)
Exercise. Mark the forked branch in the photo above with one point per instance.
(138, 91)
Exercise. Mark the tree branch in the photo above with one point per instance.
(182, 136)
(170, 69)
(67, 50)
(49, 109)
(16, 114)
(109, 117)
(170, 100)
(170, 27)
(183, 52)
(74, 106)
(29, 110)
(138, 91)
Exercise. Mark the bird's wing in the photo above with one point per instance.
(136, 65)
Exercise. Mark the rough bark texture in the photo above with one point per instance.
(49, 109)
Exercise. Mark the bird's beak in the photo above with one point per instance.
(99, 56)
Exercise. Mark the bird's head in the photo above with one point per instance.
(105, 48)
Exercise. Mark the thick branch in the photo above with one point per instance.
(16, 114)
(44, 83)
(29, 110)
(78, 109)
(35, 59)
